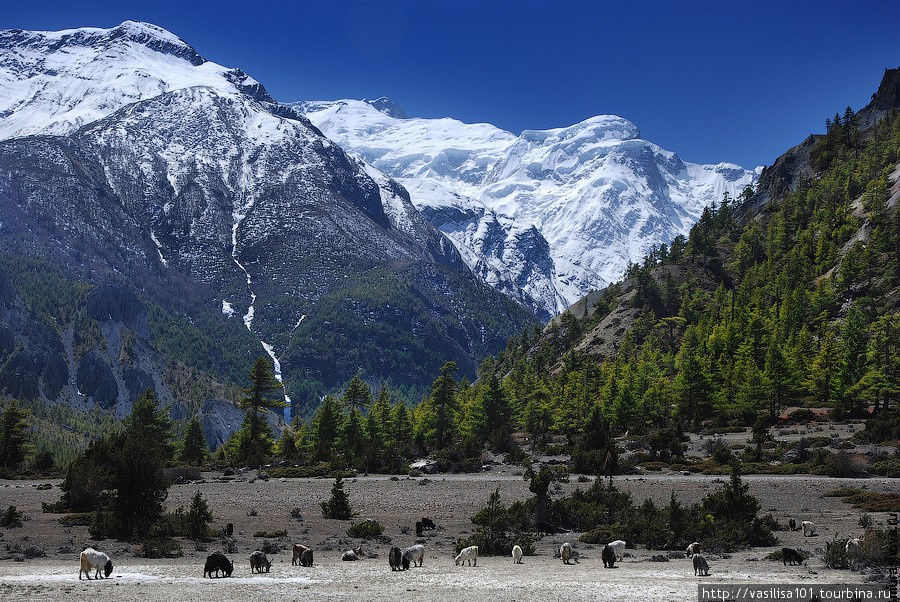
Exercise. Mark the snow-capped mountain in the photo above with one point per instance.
(53, 82)
(167, 173)
(547, 215)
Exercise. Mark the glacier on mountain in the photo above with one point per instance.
(545, 216)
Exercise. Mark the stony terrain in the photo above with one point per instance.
(449, 500)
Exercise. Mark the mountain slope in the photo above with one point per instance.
(768, 311)
(181, 184)
(554, 213)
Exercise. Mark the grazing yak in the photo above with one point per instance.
(567, 553)
(217, 562)
(420, 529)
(470, 554)
(354, 554)
(693, 548)
(428, 524)
(701, 567)
(395, 558)
(258, 562)
(608, 554)
(92, 560)
(792, 525)
(792, 556)
(517, 554)
(413, 554)
(302, 555)
(618, 546)
(809, 528)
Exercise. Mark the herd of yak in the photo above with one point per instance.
(400, 560)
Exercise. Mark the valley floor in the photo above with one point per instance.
(449, 500)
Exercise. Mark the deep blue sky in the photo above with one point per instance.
(713, 81)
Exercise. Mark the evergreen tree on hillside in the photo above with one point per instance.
(252, 443)
(151, 424)
(402, 431)
(692, 384)
(14, 438)
(353, 438)
(194, 449)
(326, 426)
(442, 406)
(358, 396)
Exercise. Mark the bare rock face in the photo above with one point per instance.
(220, 418)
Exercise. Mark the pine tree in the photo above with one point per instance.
(194, 449)
(149, 423)
(14, 438)
(692, 383)
(353, 440)
(443, 404)
(338, 506)
(252, 443)
(778, 378)
(402, 432)
(823, 369)
(326, 426)
(358, 396)
(851, 365)
(198, 517)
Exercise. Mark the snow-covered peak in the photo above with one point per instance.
(54, 82)
(593, 129)
(557, 212)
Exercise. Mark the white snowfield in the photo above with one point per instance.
(135, 61)
(595, 193)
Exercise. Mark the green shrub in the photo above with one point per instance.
(601, 535)
(271, 534)
(76, 519)
(161, 547)
(338, 506)
(842, 465)
(515, 455)
(801, 416)
(868, 501)
(499, 528)
(12, 518)
(886, 466)
(320, 470)
(836, 556)
(367, 528)
(498, 544)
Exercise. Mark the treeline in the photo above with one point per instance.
(373, 433)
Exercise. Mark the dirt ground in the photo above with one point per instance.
(257, 505)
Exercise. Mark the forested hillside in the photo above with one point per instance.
(755, 314)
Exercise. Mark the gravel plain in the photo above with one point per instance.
(254, 505)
